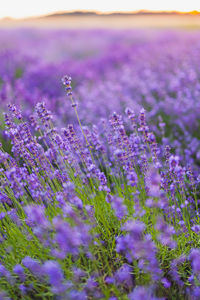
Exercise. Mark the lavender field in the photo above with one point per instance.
(100, 164)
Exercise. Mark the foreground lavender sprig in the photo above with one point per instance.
(66, 80)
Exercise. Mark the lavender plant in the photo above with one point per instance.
(94, 212)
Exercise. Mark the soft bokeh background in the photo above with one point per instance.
(116, 61)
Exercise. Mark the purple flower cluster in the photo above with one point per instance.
(136, 246)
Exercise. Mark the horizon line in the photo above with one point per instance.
(98, 12)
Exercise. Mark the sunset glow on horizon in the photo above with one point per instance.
(23, 8)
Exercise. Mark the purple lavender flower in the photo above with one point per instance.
(23, 289)
(134, 245)
(5, 273)
(142, 292)
(77, 295)
(166, 233)
(36, 216)
(153, 180)
(19, 270)
(123, 276)
(34, 266)
(173, 162)
(119, 207)
(70, 239)
(56, 277)
(66, 80)
(195, 260)
(196, 228)
(166, 283)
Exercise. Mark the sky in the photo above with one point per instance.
(27, 8)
